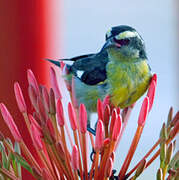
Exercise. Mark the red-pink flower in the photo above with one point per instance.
(51, 129)
(33, 97)
(75, 158)
(117, 128)
(143, 112)
(72, 116)
(108, 168)
(106, 142)
(10, 123)
(34, 122)
(41, 109)
(113, 119)
(45, 96)
(60, 114)
(106, 101)
(151, 93)
(106, 114)
(36, 138)
(99, 135)
(32, 81)
(54, 83)
(83, 118)
(100, 109)
(20, 98)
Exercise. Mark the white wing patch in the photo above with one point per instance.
(79, 73)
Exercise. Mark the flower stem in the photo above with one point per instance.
(66, 151)
(84, 154)
(96, 164)
(29, 156)
(147, 154)
(8, 174)
(125, 121)
(80, 164)
(131, 152)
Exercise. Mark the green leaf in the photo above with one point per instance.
(9, 159)
(18, 151)
(17, 148)
(23, 162)
(174, 163)
(4, 156)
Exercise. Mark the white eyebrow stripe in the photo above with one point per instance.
(79, 73)
(128, 34)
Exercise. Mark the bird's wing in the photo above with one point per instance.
(77, 57)
(91, 69)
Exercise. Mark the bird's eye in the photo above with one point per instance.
(122, 42)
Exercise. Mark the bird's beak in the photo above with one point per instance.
(110, 44)
(107, 45)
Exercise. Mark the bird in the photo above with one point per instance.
(119, 70)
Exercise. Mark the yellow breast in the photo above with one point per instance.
(128, 81)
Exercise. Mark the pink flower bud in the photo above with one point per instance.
(106, 115)
(60, 150)
(143, 112)
(151, 94)
(52, 102)
(117, 128)
(46, 175)
(83, 118)
(118, 110)
(42, 111)
(154, 78)
(34, 122)
(20, 98)
(32, 81)
(51, 129)
(106, 142)
(100, 109)
(72, 116)
(36, 137)
(10, 122)
(106, 101)
(54, 83)
(75, 158)
(46, 98)
(60, 114)
(33, 97)
(108, 168)
(113, 119)
(99, 135)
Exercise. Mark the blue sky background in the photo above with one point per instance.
(84, 26)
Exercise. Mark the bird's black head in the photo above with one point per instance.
(126, 41)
